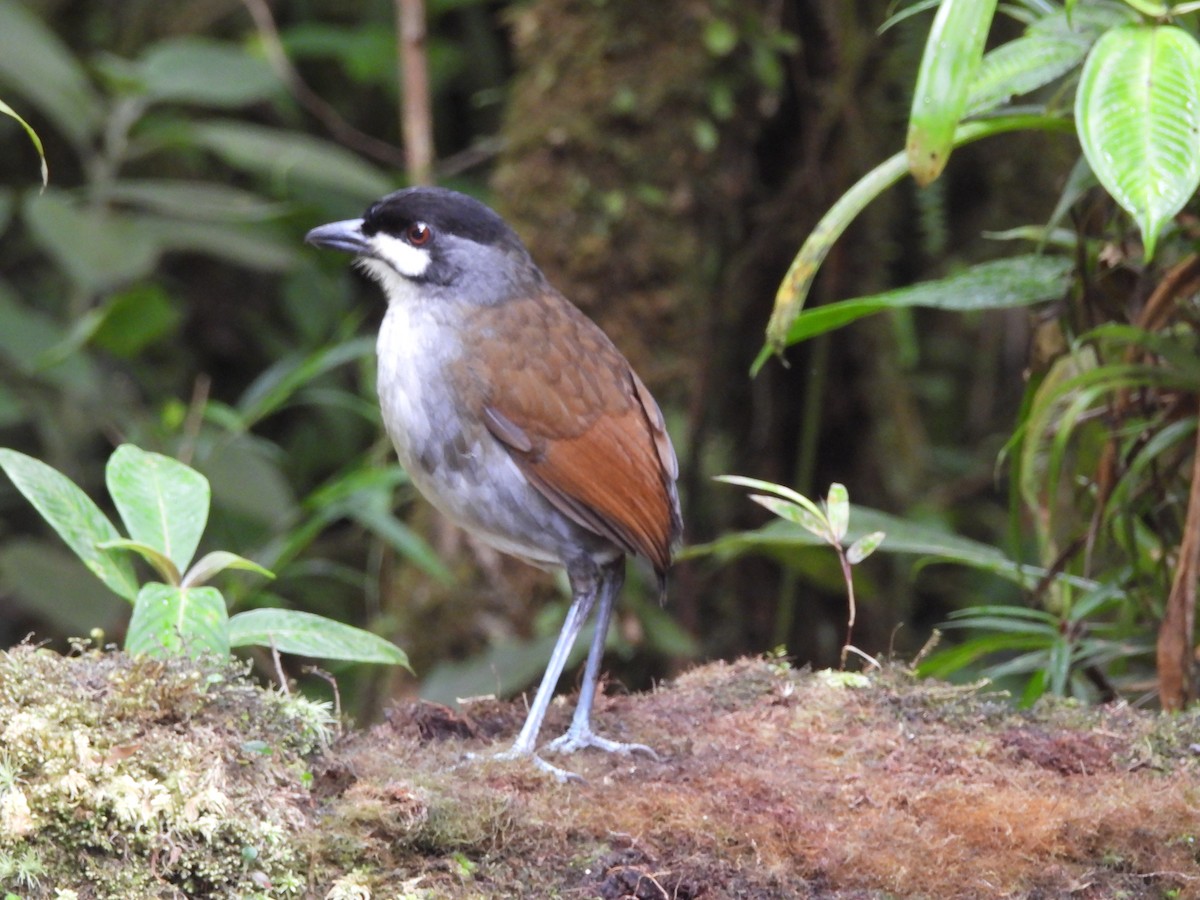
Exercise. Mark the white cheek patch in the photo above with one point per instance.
(394, 286)
(409, 261)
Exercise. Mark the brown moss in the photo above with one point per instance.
(779, 784)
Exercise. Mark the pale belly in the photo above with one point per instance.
(455, 462)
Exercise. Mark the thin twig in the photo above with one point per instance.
(337, 695)
(416, 114)
(343, 131)
(279, 673)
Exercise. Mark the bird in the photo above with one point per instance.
(517, 417)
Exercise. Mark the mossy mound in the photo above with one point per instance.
(138, 778)
(127, 778)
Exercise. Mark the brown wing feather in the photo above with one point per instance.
(578, 422)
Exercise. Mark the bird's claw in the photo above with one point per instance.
(562, 776)
(581, 740)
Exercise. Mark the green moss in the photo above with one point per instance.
(138, 777)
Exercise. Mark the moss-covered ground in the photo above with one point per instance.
(134, 778)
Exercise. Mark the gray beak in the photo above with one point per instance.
(346, 236)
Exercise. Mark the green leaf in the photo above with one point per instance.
(275, 387)
(837, 509)
(162, 502)
(1000, 284)
(305, 634)
(781, 539)
(98, 249)
(1138, 115)
(1021, 66)
(247, 480)
(793, 290)
(33, 136)
(385, 526)
(286, 155)
(720, 37)
(133, 319)
(72, 514)
(792, 512)
(207, 73)
(161, 563)
(29, 343)
(169, 621)
(41, 68)
(864, 547)
(218, 561)
(778, 489)
(198, 200)
(251, 246)
(948, 65)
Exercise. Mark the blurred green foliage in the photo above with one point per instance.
(158, 292)
(1102, 451)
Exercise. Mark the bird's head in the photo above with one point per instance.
(427, 241)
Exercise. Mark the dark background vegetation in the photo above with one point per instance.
(662, 160)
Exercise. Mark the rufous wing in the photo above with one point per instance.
(579, 423)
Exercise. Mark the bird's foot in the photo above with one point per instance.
(582, 738)
(562, 776)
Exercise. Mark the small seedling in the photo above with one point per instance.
(164, 506)
(830, 524)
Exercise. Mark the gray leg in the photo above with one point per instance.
(586, 583)
(580, 734)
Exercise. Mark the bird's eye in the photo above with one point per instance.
(418, 234)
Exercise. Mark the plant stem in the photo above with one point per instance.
(849, 576)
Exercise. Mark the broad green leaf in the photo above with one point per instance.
(252, 246)
(947, 662)
(1155, 9)
(1000, 284)
(196, 200)
(305, 634)
(793, 290)
(72, 514)
(30, 341)
(41, 68)
(169, 621)
(160, 562)
(162, 502)
(98, 249)
(1021, 66)
(133, 319)
(207, 73)
(1086, 22)
(33, 136)
(837, 508)
(286, 155)
(948, 65)
(864, 547)
(1138, 115)
(218, 561)
(247, 480)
